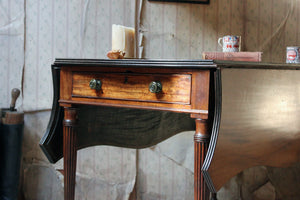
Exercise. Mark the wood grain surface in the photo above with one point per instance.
(129, 87)
(176, 88)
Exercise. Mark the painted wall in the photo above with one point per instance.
(34, 32)
(186, 30)
(11, 48)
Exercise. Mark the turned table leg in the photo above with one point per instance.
(69, 151)
(201, 141)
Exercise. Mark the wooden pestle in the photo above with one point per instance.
(15, 93)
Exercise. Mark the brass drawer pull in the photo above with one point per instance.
(155, 87)
(95, 84)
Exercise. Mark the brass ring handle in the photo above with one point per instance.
(95, 84)
(155, 87)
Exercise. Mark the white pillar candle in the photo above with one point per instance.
(123, 40)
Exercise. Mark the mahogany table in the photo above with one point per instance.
(139, 103)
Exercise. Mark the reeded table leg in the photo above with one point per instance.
(201, 141)
(70, 152)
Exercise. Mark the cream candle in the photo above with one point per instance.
(123, 40)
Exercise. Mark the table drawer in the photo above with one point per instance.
(176, 88)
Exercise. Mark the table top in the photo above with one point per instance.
(173, 63)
